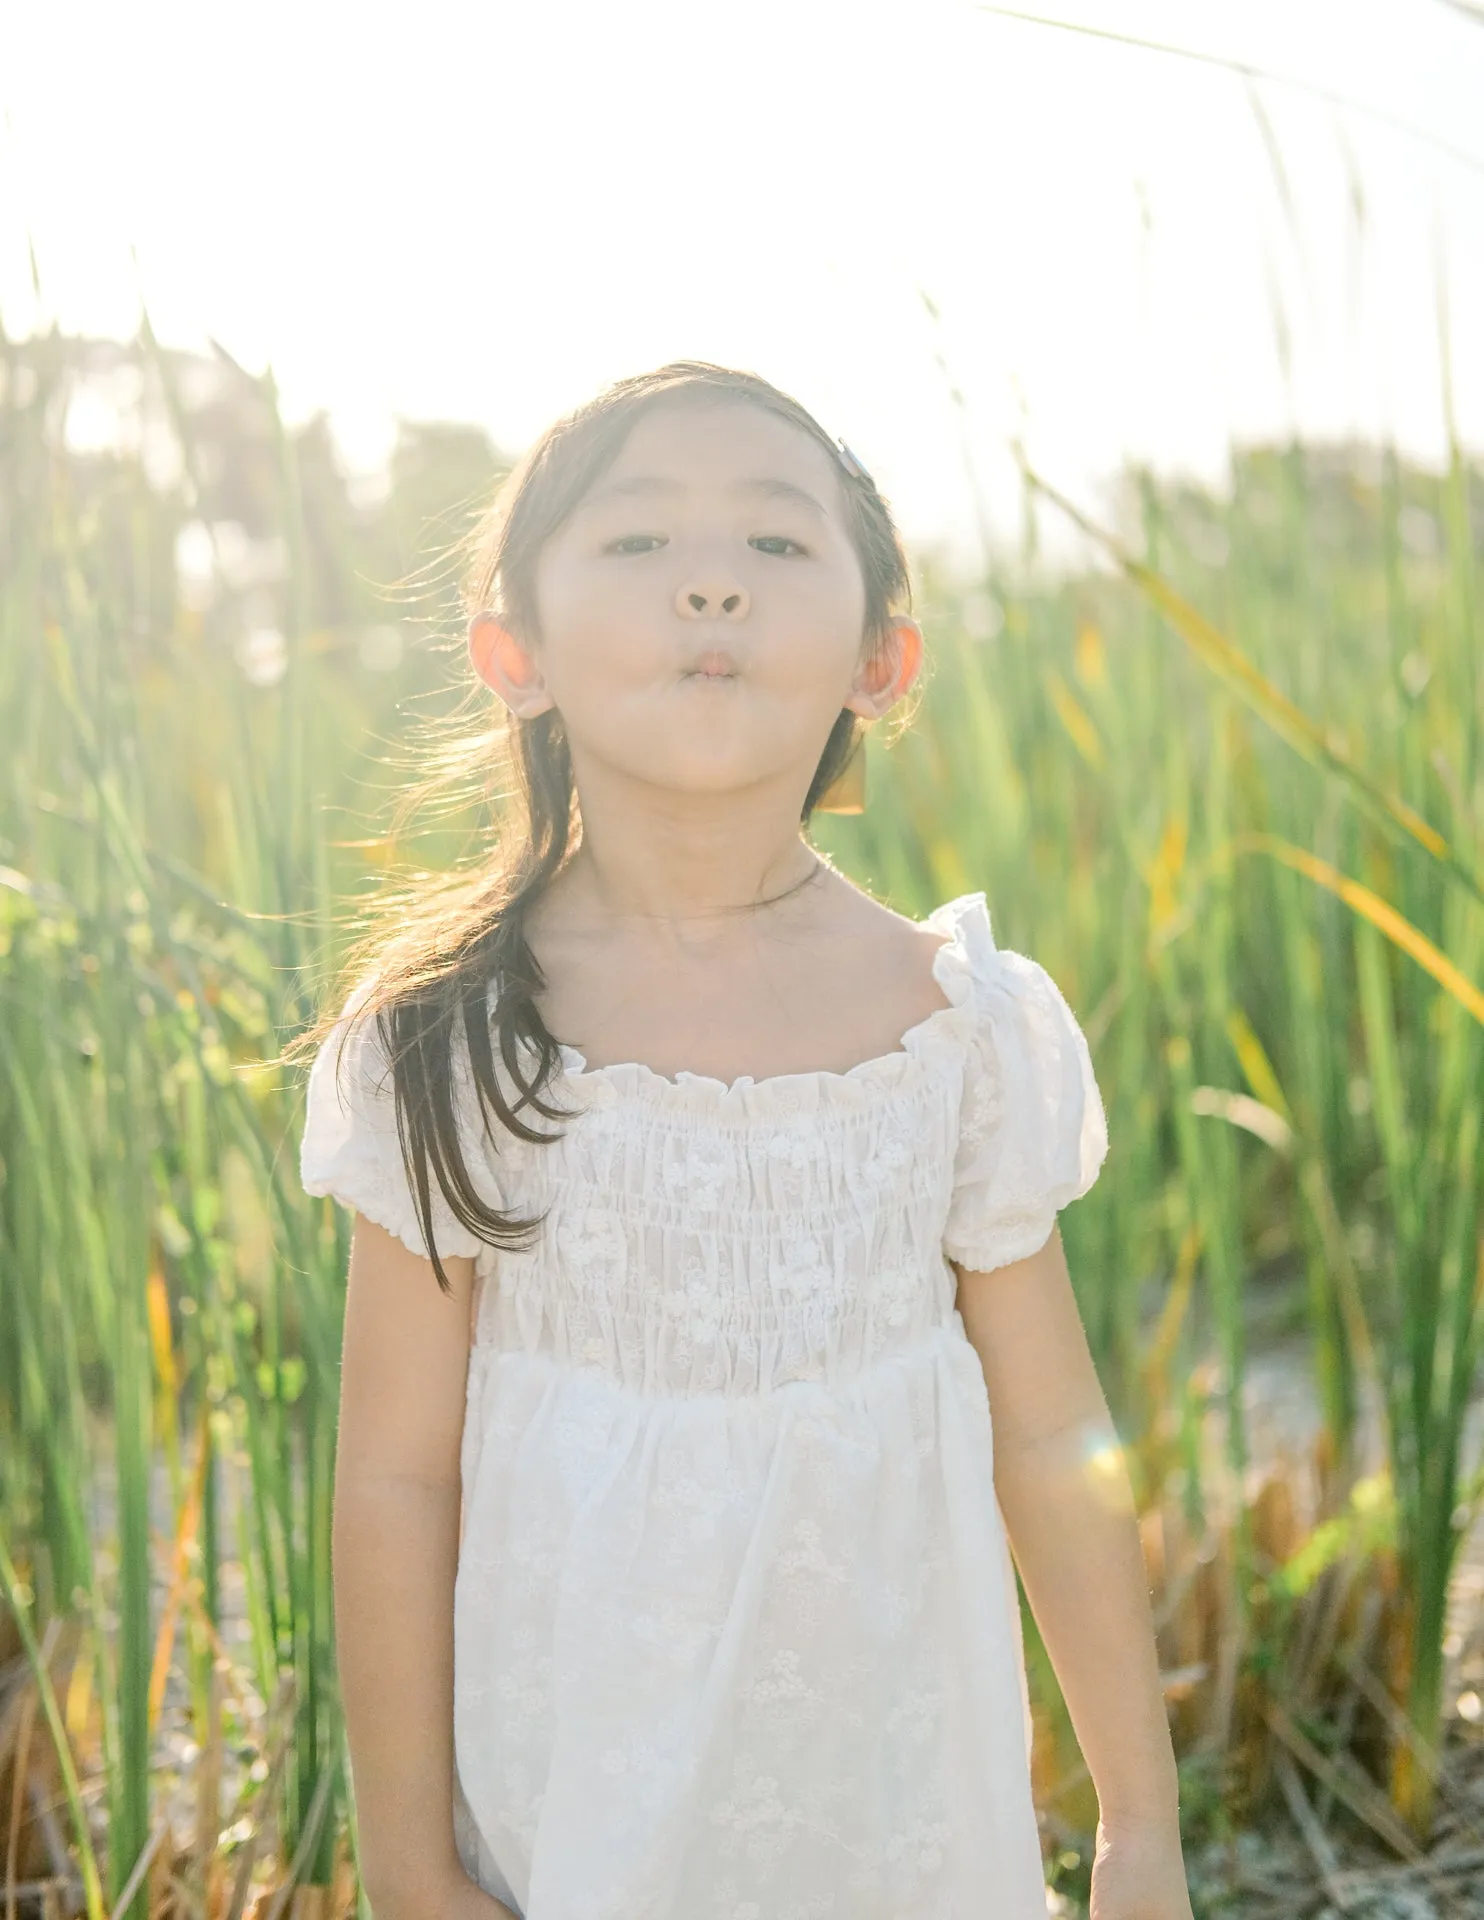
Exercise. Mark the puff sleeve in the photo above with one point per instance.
(1032, 1129)
(349, 1147)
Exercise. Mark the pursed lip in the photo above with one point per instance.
(716, 664)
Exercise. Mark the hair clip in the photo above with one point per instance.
(852, 465)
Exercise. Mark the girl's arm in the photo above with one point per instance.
(395, 1551)
(1068, 1509)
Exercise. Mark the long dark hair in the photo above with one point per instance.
(437, 948)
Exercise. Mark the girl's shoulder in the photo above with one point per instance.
(351, 1144)
(1033, 1131)
(1007, 988)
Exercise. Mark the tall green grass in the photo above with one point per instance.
(1224, 782)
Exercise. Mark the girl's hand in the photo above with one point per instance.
(1138, 1873)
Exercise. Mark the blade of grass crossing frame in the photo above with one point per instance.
(20, 1606)
(1231, 665)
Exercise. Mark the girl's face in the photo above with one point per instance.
(701, 612)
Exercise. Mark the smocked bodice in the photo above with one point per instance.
(706, 1237)
(729, 1243)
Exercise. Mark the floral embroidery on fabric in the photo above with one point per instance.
(695, 1304)
(591, 1243)
(790, 1146)
(698, 1170)
(755, 1816)
(780, 1698)
(895, 1289)
(699, 1505)
(806, 1554)
(801, 1274)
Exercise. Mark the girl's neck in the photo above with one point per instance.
(688, 898)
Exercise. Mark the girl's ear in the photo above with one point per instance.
(506, 667)
(890, 671)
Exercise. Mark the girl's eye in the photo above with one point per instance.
(634, 543)
(777, 539)
(626, 545)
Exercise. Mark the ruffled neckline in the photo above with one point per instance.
(965, 919)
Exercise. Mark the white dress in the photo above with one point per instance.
(735, 1624)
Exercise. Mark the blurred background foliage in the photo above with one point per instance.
(1223, 779)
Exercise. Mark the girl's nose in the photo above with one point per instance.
(717, 598)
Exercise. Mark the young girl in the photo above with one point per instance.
(671, 1575)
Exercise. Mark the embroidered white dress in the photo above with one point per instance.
(735, 1625)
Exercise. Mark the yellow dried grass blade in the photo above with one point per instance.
(1253, 1060)
(79, 1695)
(157, 1302)
(1091, 656)
(1177, 1303)
(1084, 735)
(1345, 1782)
(1263, 1080)
(1370, 906)
(185, 1535)
(20, 1607)
(1162, 872)
(1252, 1116)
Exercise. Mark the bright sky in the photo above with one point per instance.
(487, 210)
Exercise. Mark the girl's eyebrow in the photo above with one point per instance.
(770, 487)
